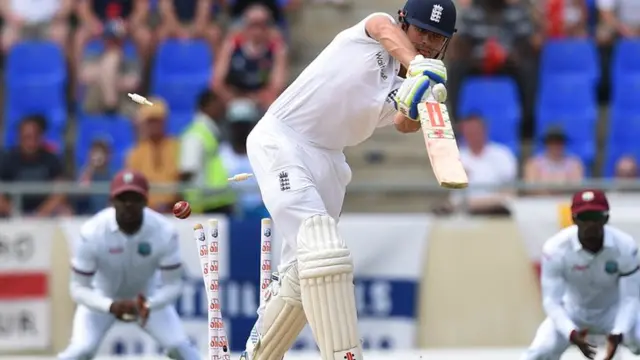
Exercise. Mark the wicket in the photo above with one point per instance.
(208, 252)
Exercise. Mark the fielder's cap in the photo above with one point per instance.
(589, 200)
(243, 110)
(129, 180)
(438, 16)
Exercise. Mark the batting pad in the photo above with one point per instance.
(326, 286)
(281, 321)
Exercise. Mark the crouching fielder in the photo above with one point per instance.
(371, 75)
(590, 284)
(127, 267)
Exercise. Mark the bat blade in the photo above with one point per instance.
(442, 146)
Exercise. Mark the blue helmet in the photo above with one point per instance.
(438, 16)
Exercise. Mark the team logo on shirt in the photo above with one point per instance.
(284, 181)
(611, 267)
(144, 248)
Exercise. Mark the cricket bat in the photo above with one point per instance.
(441, 145)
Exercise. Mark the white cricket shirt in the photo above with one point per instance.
(580, 284)
(124, 266)
(344, 94)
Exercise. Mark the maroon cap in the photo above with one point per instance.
(129, 180)
(589, 200)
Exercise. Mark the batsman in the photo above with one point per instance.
(371, 75)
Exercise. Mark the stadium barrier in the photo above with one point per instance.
(422, 282)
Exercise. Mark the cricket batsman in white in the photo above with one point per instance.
(590, 285)
(371, 75)
(127, 267)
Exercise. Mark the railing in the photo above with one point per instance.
(16, 190)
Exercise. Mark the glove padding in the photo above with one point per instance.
(416, 90)
(433, 68)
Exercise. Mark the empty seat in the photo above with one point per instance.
(181, 71)
(570, 57)
(497, 100)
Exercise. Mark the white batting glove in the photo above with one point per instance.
(433, 68)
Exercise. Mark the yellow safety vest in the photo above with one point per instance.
(215, 174)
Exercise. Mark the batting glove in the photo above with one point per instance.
(433, 68)
(412, 92)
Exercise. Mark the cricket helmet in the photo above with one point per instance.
(438, 16)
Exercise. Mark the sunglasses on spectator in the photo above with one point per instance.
(587, 216)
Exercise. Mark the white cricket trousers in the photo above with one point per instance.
(297, 180)
(550, 344)
(90, 327)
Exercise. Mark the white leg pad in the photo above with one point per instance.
(326, 286)
(282, 319)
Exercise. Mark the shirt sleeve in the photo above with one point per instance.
(84, 259)
(629, 292)
(553, 288)
(359, 32)
(509, 167)
(171, 273)
(191, 154)
(84, 266)
(171, 259)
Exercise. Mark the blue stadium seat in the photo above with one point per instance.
(178, 122)
(96, 47)
(32, 63)
(35, 83)
(624, 123)
(571, 104)
(625, 59)
(570, 57)
(497, 100)
(118, 131)
(626, 91)
(180, 96)
(182, 69)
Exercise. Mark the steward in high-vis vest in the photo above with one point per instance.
(201, 164)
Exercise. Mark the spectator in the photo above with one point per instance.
(31, 161)
(189, 19)
(487, 164)
(242, 116)
(94, 15)
(619, 18)
(553, 165)
(253, 61)
(495, 37)
(156, 154)
(109, 76)
(564, 18)
(626, 168)
(200, 161)
(237, 8)
(46, 19)
(97, 170)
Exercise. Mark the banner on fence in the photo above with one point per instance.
(25, 265)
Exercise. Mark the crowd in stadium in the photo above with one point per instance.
(550, 70)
